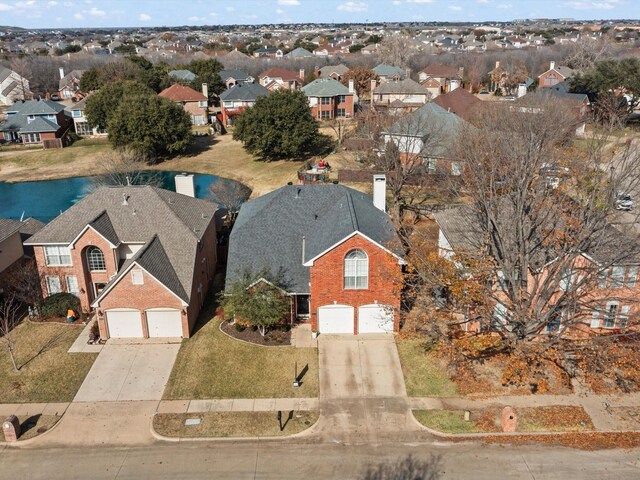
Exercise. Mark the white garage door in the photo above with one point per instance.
(164, 323)
(124, 323)
(335, 319)
(375, 319)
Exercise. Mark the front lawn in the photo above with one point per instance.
(487, 420)
(233, 424)
(212, 365)
(423, 373)
(47, 372)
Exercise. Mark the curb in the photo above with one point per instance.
(306, 432)
(29, 441)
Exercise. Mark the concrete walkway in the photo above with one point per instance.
(81, 344)
(238, 405)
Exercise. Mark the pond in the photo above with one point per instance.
(47, 199)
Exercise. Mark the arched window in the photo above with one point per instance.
(95, 259)
(356, 270)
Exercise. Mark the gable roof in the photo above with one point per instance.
(269, 230)
(26, 227)
(180, 93)
(441, 71)
(244, 92)
(460, 102)
(406, 86)
(325, 87)
(183, 74)
(285, 75)
(566, 72)
(299, 53)
(70, 78)
(226, 74)
(36, 107)
(327, 70)
(178, 222)
(384, 70)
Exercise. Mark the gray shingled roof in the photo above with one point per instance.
(329, 69)
(325, 87)
(299, 53)
(177, 222)
(36, 107)
(8, 227)
(406, 87)
(269, 230)
(9, 88)
(183, 75)
(244, 92)
(384, 70)
(236, 74)
(4, 73)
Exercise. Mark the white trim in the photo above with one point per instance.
(72, 243)
(262, 279)
(96, 302)
(309, 263)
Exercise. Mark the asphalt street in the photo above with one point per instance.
(308, 459)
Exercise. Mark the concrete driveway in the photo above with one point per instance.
(362, 392)
(128, 372)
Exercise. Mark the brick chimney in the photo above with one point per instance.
(205, 90)
(351, 87)
(301, 74)
(552, 65)
(316, 71)
(61, 73)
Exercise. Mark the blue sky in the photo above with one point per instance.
(105, 13)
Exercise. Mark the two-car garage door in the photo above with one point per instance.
(373, 318)
(127, 323)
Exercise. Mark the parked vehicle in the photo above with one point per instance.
(624, 201)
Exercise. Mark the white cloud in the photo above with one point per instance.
(95, 12)
(279, 11)
(484, 1)
(289, 3)
(78, 16)
(230, 9)
(144, 17)
(4, 7)
(504, 6)
(592, 5)
(52, 3)
(213, 14)
(455, 8)
(353, 7)
(399, 2)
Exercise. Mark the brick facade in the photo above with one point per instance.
(329, 111)
(327, 280)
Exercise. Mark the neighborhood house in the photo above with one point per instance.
(35, 121)
(334, 249)
(140, 256)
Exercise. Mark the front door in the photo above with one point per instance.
(302, 307)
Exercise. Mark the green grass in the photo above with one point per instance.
(232, 424)
(423, 375)
(211, 364)
(47, 372)
(446, 421)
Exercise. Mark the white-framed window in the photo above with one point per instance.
(500, 313)
(632, 275)
(95, 260)
(565, 279)
(617, 276)
(83, 128)
(57, 255)
(356, 270)
(341, 113)
(501, 281)
(72, 285)
(624, 316)
(602, 278)
(76, 113)
(137, 277)
(53, 284)
(611, 314)
(31, 138)
(431, 164)
(455, 169)
(595, 319)
(325, 100)
(325, 114)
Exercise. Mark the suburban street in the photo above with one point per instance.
(308, 459)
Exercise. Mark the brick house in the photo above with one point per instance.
(609, 304)
(329, 99)
(277, 78)
(555, 75)
(35, 121)
(69, 84)
(336, 251)
(140, 257)
(398, 96)
(238, 98)
(193, 102)
(439, 79)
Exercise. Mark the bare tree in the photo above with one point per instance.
(584, 54)
(25, 282)
(121, 167)
(230, 195)
(538, 234)
(9, 319)
(20, 65)
(396, 50)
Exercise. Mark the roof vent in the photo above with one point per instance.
(203, 216)
(125, 199)
(298, 192)
(134, 211)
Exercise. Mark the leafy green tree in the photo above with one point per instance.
(90, 80)
(279, 126)
(609, 79)
(149, 126)
(207, 71)
(102, 104)
(260, 303)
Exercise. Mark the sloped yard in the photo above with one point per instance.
(47, 372)
(212, 365)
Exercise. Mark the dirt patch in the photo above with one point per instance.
(628, 417)
(272, 337)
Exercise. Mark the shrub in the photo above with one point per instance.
(56, 305)
(240, 327)
(220, 312)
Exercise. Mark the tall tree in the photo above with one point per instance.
(279, 126)
(149, 126)
(361, 77)
(101, 105)
(230, 195)
(9, 319)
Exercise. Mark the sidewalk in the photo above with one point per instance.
(238, 405)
